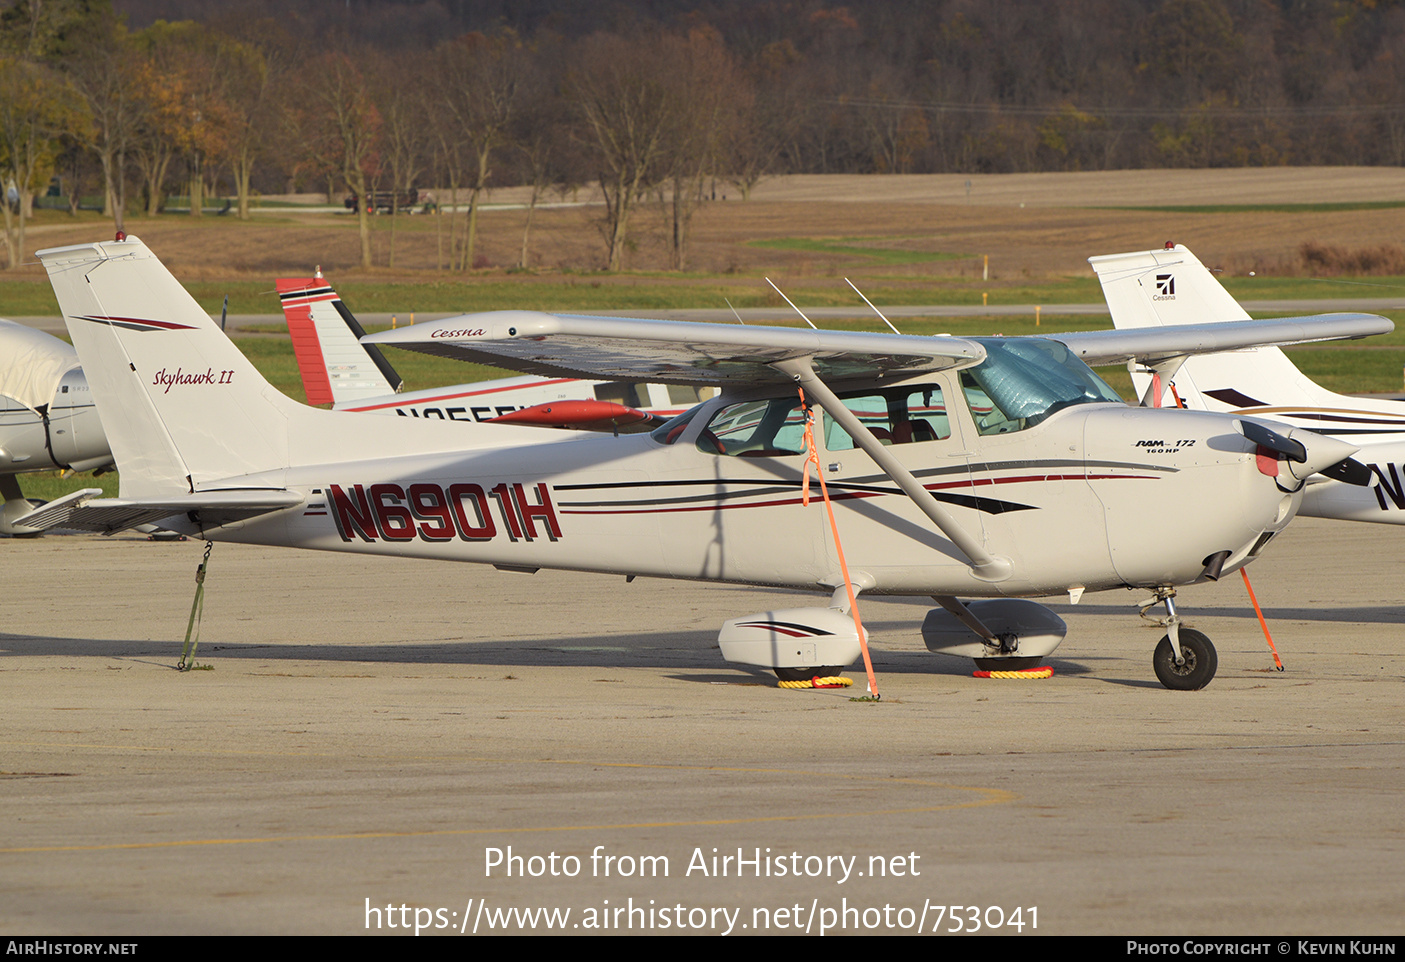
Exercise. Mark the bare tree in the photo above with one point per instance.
(621, 87)
(769, 112)
(480, 77)
(539, 135)
(706, 90)
(406, 132)
(342, 113)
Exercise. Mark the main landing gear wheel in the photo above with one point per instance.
(805, 674)
(1198, 668)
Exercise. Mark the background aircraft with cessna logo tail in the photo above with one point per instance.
(1159, 288)
(337, 368)
(989, 468)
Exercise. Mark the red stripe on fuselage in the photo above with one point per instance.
(450, 397)
(851, 495)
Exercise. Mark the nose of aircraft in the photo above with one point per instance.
(1206, 492)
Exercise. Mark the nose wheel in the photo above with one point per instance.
(1184, 660)
(1197, 665)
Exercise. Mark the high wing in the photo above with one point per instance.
(723, 354)
(1154, 345)
(674, 352)
(689, 353)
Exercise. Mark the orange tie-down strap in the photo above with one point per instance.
(814, 458)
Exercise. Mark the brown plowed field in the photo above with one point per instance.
(1030, 225)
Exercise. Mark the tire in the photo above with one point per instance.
(1007, 664)
(805, 674)
(1200, 662)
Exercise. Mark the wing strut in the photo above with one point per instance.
(1161, 371)
(984, 566)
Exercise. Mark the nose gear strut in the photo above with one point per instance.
(1184, 660)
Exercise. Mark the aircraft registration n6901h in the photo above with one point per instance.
(987, 468)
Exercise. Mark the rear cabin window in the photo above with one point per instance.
(897, 416)
(776, 427)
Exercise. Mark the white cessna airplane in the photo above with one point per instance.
(337, 368)
(995, 468)
(47, 417)
(1147, 289)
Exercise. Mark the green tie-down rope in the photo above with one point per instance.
(197, 611)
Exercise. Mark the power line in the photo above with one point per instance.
(1175, 113)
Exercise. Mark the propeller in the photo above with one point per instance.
(1265, 437)
(1308, 453)
(1349, 471)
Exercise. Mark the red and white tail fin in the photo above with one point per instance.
(336, 367)
(1171, 286)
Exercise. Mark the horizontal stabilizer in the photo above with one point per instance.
(51, 514)
(109, 515)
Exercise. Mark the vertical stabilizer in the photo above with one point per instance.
(180, 405)
(1171, 286)
(336, 367)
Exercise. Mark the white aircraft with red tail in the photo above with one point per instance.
(338, 369)
(988, 468)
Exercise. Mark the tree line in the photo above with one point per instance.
(669, 100)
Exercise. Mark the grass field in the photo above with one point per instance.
(603, 295)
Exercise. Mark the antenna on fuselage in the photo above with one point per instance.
(735, 314)
(870, 304)
(792, 304)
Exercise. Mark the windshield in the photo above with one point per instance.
(1024, 380)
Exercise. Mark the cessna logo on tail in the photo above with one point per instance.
(1165, 288)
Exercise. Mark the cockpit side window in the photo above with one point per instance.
(621, 392)
(775, 427)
